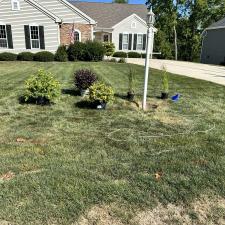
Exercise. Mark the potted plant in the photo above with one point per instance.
(42, 88)
(101, 94)
(83, 80)
(131, 84)
(165, 85)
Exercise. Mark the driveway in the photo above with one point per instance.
(211, 73)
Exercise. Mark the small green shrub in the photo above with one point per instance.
(61, 54)
(120, 54)
(113, 60)
(84, 79)
(109, 48)
(143, 55)
(165, 81)
(99, 92)
(44, 56)
(41, 88)
(76, 51)
(25, 56)
(122, 60)
(134, 55)
(8, 56)
(94, 51)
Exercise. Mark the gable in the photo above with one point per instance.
(67, 12)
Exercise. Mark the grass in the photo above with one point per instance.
(67, 161)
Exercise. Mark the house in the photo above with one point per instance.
(213, 44)
(122, 24)
(35, 25)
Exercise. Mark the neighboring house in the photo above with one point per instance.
(122, 24)
(34, 25)
(213, 44)
(28, 25)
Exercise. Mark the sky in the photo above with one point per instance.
(109, 1)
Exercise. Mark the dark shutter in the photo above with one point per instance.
(42, 37)
(120, 41)
(135, 42)
(9, 36)
(27, 36)
(130, 42)
(144, 41)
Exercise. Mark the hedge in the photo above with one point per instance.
(134, 55)
(8, 56)
(44, 56)
(120, 54)
(25, 56)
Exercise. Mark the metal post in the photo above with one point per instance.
(147, 59)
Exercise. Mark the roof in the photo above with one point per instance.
(217, 25)
(109, 14)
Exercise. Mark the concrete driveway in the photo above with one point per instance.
(211, 73)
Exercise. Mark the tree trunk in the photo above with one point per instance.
(175, 42)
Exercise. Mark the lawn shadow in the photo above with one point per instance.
(34, 101)
(70, 91)
(121, 96)
(85, 104)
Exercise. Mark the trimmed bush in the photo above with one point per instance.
(113, 60)
(25, 56)
(134, 55)
(122, 60)
(44, 56)
(84, 79)
(143, 55)
(8, 56)
(120, 54)
(76, 51)
(41, 88)
(94, 51)
(109, 48)
(61, 54)
(99, 92)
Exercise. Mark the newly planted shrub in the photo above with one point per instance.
(76, 51)
(165, 84)
(84, 79)
(120, 54)
(42, 88)
(134, 55)
(61, 54)
(99, 92)
(8, 56)
(109, 48)
(44, 56)
(94, 51)
(25, 56)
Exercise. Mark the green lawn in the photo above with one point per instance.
(78, 164)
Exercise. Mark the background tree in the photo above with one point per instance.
(121, 1)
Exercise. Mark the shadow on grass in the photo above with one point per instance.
(35, 101)
(85, 105)
(70, 91)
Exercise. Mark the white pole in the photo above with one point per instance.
(147, 58)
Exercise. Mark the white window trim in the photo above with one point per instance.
(34, 25)
(127, 41)
(133, 24)
(18, 4)
(139, 43)
(6, 37)
(78, 31)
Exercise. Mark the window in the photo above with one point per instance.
(3, 37)
(15, 5)
(125, 41)
(76, 36)
(139, 41)
(133, 25)
(34, 37)
(106, 38)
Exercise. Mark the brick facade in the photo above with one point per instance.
(65, 32)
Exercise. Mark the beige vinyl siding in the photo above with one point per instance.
(25, 16)
(62, 11)
(125, 27)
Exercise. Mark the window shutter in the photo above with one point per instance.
(144, 41)
(120, 41)
(42, 37)
(130, 42)
(27, 36)
(9, 36)
(135, 42)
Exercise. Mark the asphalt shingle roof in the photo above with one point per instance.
(220, 23)
(109, 14)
